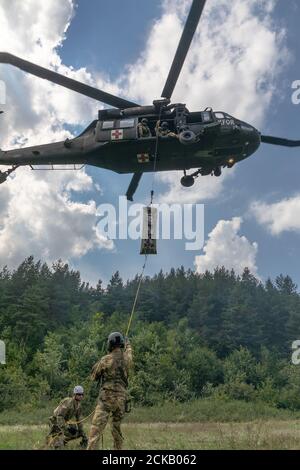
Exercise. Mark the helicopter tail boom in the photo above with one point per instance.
(59, 153)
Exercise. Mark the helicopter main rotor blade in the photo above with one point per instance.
(183, 46)
(133, 186)
(54, 77)
(267, 139)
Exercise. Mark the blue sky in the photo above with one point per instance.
(110, 34)
(106, 37)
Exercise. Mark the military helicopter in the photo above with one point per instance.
(206, 140)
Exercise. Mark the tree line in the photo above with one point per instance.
(214, 335)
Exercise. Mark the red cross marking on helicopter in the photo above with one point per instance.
(143, 157)
(117, 134)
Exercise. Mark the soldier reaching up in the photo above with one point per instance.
(112, 371)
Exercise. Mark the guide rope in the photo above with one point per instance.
(51, 438)
(82, 420)
(136, 296)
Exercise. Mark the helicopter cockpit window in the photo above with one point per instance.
(108, 125)
(206, 116)
(126, 123)
(220, 115)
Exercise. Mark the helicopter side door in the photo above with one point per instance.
(116, 130)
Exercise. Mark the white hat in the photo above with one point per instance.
(78, 390)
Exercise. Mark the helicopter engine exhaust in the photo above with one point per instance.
(106, 114)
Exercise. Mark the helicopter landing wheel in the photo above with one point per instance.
(218, 172)
(187, 181)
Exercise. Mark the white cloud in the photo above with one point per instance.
(38, 213)
(205, 188)
(36, 110)
(32, 30)
(225, 247)
(233, 62)
(40, 218)
(280, 216)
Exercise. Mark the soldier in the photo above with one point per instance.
(112, 371)
(143, 128)
(163, 130)
(61, 431)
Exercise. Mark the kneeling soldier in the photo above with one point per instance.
(61, 431)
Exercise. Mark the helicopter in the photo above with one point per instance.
(206, 141)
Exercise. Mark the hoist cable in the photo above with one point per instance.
(151, 202)
(155, 156)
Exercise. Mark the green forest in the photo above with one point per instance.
(194, 336)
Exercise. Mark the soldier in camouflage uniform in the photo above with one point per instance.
(112, 371)
(162, 130)
(61, 431)
(143, 128)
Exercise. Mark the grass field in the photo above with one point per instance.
(202, 424)
(253, 435)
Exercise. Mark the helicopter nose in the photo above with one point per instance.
(252, 140)
(250, 132)
(256, 136)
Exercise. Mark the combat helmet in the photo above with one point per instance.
(78, 390)
(115, 339)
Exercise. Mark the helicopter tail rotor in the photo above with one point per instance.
(5, 174)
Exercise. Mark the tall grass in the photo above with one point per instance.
(231, 436)
(205, 410)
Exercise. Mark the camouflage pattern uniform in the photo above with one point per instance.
(143, 130)
(112, 370)
(61, 432)
(164, 132)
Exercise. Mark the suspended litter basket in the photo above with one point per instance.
(148, 245)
